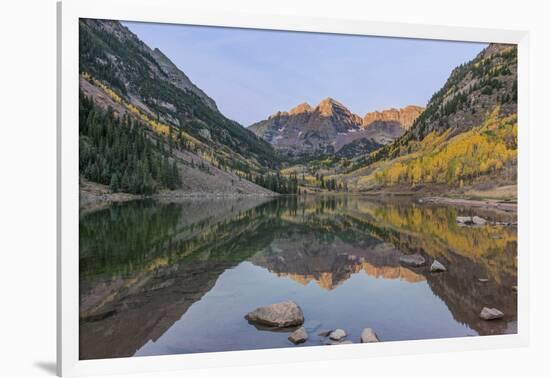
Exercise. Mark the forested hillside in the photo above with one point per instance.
(117, 152)
(486, 149)
(466, 135)
(471, 93)
(145, 90)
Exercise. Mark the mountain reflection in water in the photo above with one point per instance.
(164, 278)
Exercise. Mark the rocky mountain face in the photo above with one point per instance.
(113, 64)
(330, 127)
(148, 80)
(178, 78)
(391, 123)
(405, 116)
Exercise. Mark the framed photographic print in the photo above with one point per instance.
(239, 188)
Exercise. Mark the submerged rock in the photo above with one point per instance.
(490, 314)
(412, 260)
(284, 314)
(312, 325)
(325, 333)
(337, 334)
(299, 336)
(437, 267)
(369, 336)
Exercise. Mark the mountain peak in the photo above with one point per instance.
(496, 48)
(326, 106)
(329, 101)
(301, 108)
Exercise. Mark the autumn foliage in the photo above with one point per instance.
(442, 159)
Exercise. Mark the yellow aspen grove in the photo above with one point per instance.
(481, 150)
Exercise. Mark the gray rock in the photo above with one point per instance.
(299, 336)
(464, 220)
(412, 260)
(337, 334)
(161, 285)
(490, 314)
(284, 314)
(437, 267)
(205, 133)
(369, 336)
(325, 333)
(478, 220)
(475, 220)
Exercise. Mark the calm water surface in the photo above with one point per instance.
(165, 278)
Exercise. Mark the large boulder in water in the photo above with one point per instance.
(280, 315)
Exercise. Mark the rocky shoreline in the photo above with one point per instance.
(95, 196)
(487, 203)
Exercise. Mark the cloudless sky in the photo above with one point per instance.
(254, 73)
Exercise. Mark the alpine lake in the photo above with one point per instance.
(160, 277)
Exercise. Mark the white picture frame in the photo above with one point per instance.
(165, 11)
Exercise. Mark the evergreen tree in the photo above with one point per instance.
(115, 183)
(116, 151)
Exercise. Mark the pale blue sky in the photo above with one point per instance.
(254, 73)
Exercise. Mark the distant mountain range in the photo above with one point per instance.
(330, 127)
